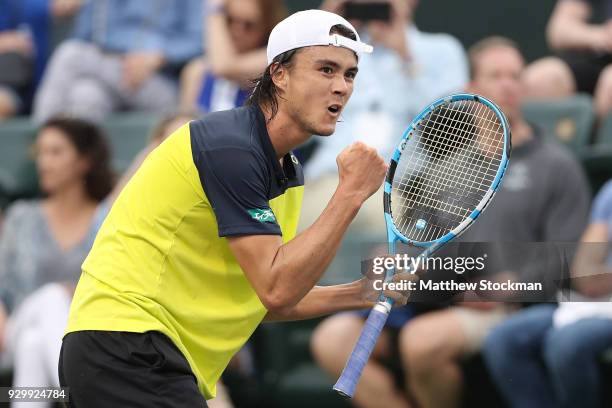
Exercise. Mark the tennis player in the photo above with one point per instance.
(199, 247)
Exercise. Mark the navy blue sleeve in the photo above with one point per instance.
(236, 182)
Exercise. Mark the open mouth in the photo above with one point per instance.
(334, 109)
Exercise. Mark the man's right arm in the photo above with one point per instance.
(282, 274)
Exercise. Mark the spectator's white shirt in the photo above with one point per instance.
(571, 312)
(580, 306)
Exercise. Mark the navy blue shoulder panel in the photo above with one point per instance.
(234, 172)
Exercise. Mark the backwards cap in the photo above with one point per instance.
(308, 28)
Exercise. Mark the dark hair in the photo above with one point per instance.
(484, 45)
(89, 141)
(272, 12)
(265, 92)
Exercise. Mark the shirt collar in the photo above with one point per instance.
(288, 168)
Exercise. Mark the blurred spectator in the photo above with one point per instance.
(25, 41)
(125, 54)
(569, 340)
(235, 53)
(44, 242)
(580, 31)
(544, 197)
(407, 70)
(73, 165)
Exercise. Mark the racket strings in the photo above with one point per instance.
(442, 142)
(450, 205)
(468, 161)
(447, 167)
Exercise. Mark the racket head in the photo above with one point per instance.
(446, 169)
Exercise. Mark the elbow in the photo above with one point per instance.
(552, 37)
(277, 302)
(557, 34)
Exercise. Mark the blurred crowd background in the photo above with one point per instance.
(89, 87)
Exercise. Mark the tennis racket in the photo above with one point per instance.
(445, 170)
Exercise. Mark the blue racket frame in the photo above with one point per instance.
(347, 382)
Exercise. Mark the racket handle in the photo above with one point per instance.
(347, 382)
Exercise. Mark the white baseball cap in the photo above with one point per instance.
(311, 27)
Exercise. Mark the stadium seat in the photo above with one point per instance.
(568, 121)
(128, 134)
(289, 375)
(16, 136)
(597, 163)
(604, 134)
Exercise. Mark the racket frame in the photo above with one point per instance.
(347, 382)
(393, 234)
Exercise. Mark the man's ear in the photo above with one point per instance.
(280, 76)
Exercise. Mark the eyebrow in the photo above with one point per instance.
(335, 65)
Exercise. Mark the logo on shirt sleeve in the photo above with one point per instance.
(262, 214)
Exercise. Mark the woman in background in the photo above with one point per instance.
(235, 53)
(44, 242)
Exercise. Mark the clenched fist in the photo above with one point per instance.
(361, 170)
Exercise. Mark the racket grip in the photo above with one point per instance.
(347, 382)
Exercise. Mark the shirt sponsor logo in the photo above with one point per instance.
(262, 214)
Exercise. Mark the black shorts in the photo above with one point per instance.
(119, 369)
(586, 67)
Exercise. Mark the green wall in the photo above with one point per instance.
(470, 20)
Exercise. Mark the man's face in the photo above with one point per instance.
(497, 76)
(316, 88)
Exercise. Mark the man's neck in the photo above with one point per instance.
(285, 133)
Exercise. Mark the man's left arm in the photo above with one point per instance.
(325, 300)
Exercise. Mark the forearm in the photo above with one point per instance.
(594, 281)
(219, 47)
(300, 263)
(324, 300)
(223, 57)
(572, 35)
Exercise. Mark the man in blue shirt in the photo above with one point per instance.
(124, 55)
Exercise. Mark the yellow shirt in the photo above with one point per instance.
(159, 262)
